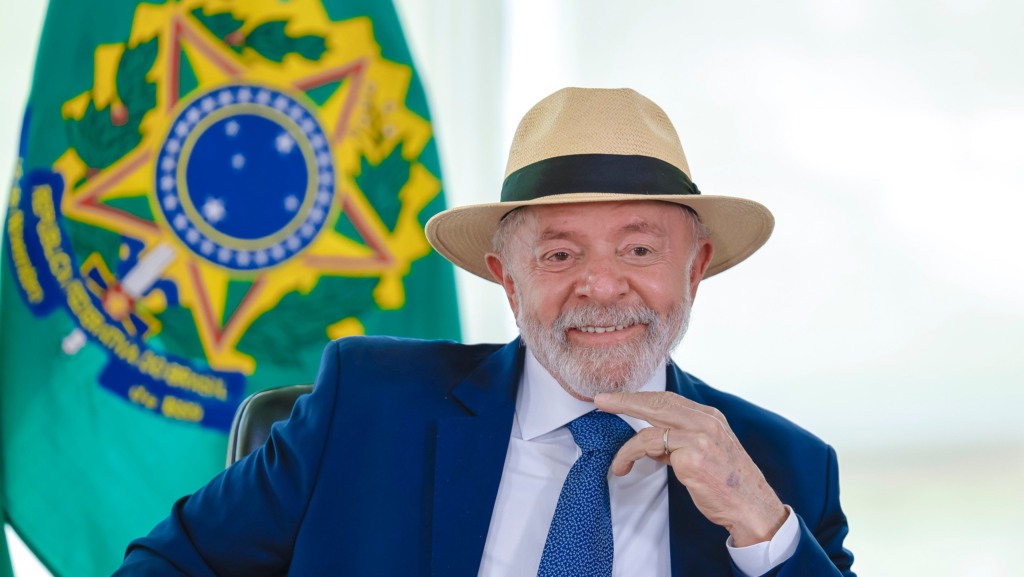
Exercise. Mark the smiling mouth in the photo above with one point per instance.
(603, 329)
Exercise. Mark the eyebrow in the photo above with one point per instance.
(551, 234)
(642, 226)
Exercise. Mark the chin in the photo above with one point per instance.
(588, 388)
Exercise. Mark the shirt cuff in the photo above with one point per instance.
(761, 558)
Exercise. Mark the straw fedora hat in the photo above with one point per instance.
(598, 145)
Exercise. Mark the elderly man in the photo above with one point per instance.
(579, 449)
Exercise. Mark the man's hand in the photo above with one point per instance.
(705, 456)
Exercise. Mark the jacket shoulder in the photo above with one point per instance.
(406, 351)
(370, 362)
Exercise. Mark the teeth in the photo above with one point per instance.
(600, 330)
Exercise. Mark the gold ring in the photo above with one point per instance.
(664, 440)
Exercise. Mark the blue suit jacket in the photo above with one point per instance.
(392, 464)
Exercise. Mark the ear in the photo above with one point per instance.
(501, 273)
(701, 260)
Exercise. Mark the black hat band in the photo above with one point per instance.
(612, 173)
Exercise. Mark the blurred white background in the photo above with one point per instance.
(888, 139)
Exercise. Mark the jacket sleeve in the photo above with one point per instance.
(244, 521)
(820, 551)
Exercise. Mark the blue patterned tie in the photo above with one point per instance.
(580, 539)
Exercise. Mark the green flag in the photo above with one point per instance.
(207, 192)
(5, 557)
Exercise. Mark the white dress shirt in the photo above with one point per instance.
(540, 453)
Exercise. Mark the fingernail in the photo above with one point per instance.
(601, 397)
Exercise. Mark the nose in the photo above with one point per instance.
(603, 281)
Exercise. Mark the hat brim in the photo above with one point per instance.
(738, 226)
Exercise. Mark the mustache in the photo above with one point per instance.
(589, 315)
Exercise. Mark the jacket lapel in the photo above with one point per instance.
(469, 458)
(697, 545)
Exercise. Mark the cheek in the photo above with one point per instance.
(663, 291)
(543, 298)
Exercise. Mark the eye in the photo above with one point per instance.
(640, 251)
(557, 260)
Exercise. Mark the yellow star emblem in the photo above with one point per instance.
(248, 164)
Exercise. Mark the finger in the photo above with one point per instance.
(646, 443)
(661, 409)
(666, 409)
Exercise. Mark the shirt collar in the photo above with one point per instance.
(542, 405)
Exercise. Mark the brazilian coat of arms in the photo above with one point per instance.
(241, 178)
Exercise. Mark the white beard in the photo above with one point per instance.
(627, 366)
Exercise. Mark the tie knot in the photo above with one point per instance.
(599, 431)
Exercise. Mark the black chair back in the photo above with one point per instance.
(255, 415)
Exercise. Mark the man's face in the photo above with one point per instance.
(602, 291)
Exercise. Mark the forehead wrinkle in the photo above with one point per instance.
(641, 226)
